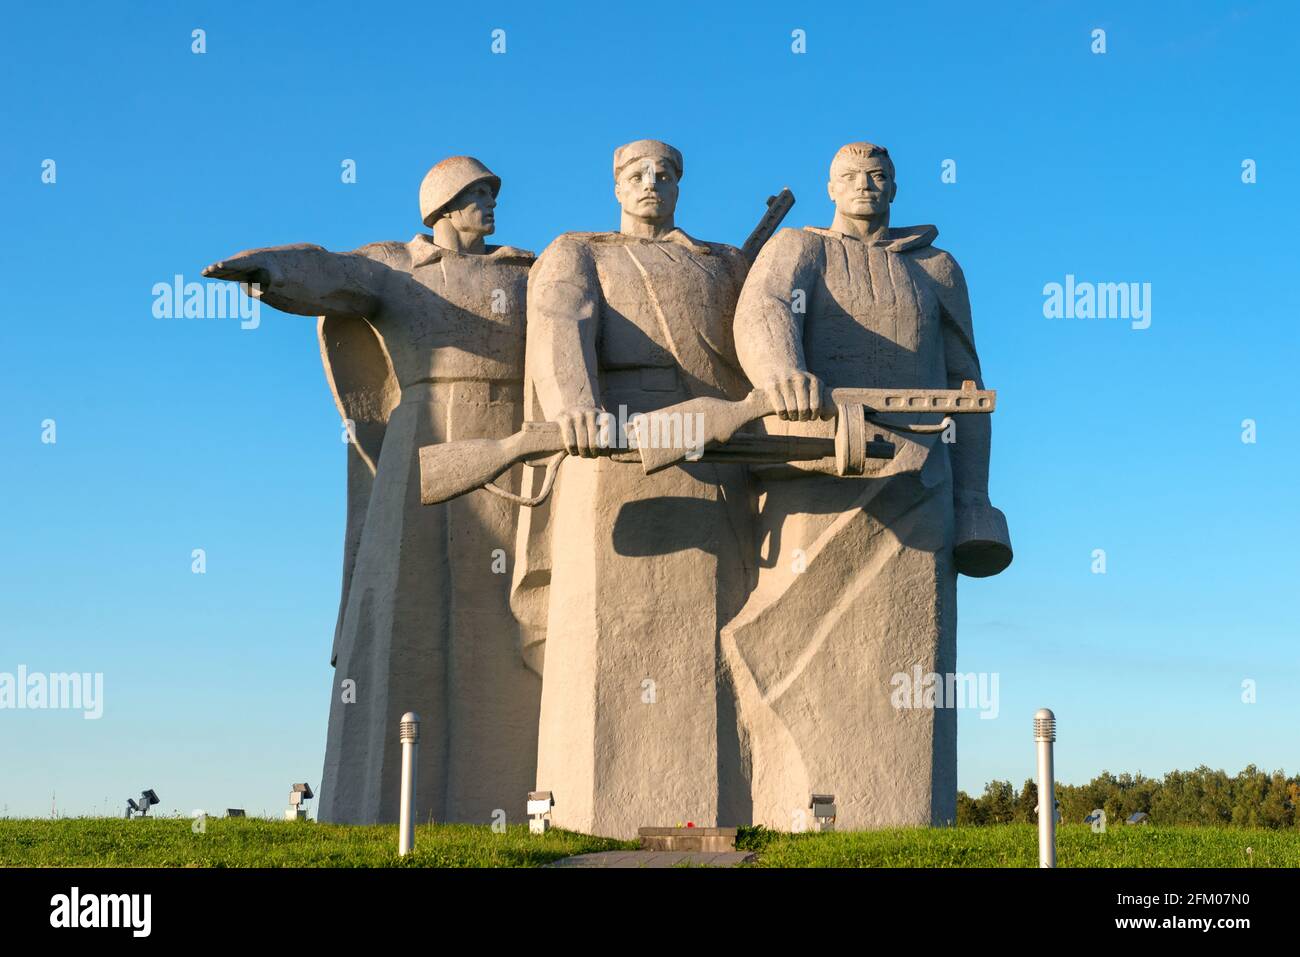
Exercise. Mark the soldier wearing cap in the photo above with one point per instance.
(641, 570)
(423, 342)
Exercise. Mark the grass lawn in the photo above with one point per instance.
(252, 842)
(1016, 845)
(249, 842)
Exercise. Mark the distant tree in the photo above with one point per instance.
(999, 800)
(1026, 803)
(1250, 787)
(968, 810)
(1251, 798)
(1276, 810)
(1216, 797)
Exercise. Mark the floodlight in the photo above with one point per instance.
(298, 794)
(823, 810)
(141, 807)
(539, 810)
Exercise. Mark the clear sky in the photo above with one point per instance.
(174, 435)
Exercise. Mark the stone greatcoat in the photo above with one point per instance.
(421, 345)
(857, 581)
(637, 724)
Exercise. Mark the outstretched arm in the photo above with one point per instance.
(306, 279)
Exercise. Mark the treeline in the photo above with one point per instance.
(1252, 798)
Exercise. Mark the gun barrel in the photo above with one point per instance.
(967, 399)
(778, 207)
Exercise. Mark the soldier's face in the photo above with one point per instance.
(647, 189)
(471, 212)
(861, 188)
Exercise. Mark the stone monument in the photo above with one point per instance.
(717, 619)
(721, 641)
(422, 342)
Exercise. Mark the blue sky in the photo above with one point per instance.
(181, 434)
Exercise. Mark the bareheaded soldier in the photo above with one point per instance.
(858, 584)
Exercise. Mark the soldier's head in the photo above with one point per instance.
(646, 174)
(862, 181)
(461, 191)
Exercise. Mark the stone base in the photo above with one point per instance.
(710, 839)
(658, 859)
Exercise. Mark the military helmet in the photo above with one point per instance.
(448, 178)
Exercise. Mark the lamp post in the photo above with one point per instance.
(1044, 735)
(410, 735)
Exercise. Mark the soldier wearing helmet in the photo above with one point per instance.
(457, 199)
(423, 342)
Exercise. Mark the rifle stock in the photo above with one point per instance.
(723, 418)
(450, 469)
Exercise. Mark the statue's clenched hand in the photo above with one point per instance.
(580, 430)
(797, 394)
(255, 267)
(983, 544)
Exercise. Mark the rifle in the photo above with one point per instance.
(777, 208)
(854, 408)
(451, 469)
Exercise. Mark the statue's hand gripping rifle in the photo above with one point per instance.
(451, 469)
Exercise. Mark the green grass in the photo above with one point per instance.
(1016, 845)
(250, 842)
